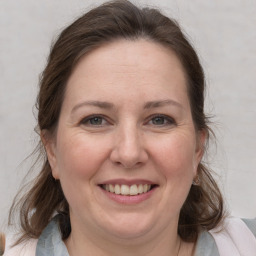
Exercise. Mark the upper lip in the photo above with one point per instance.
(127, 182)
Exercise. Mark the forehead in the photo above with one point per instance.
(123, 66)
(131, 53)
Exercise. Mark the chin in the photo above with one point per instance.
(130, 233)
(129, 227)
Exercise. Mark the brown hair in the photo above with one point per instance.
(203, 208)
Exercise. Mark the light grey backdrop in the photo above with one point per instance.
(224, 34)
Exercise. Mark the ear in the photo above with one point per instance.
(200, 147)
(49, 143)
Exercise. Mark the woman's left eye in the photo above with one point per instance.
(161, 120)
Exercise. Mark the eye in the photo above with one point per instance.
(161, 120)
(94, 121)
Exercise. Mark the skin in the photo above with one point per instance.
(127, 140)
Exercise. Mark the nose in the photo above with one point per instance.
(128, 150)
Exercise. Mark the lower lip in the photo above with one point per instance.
(121, 199)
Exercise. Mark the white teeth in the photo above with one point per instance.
(133, 190)
(145, 188)
(140, 189)
(117, 189)
(125, 190)
(111, 188)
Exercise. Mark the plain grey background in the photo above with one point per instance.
(224, 35)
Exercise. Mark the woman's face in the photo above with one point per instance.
(126, 149)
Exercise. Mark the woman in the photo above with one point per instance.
(121, 119)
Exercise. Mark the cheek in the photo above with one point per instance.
(79, 157)
(176, 156)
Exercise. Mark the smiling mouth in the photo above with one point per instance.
(126, 190)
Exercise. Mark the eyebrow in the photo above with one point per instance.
(161, 103)
(108, 105)
(99, 104)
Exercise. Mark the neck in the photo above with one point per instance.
(164, 243)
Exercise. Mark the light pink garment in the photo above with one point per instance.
(27, 249)
(235, 239)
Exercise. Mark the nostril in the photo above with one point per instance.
(127, 165)
(128, 153)
(131, 165)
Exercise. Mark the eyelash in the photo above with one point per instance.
(86, 120)
(167, 120)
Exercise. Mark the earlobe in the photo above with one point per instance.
(50, 148)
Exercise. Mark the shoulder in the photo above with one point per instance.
(50, 241)
(235, 236)
(206, 245)
(27, 248)
(232, 226)
(251, 224)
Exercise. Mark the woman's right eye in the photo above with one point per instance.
(94, 121)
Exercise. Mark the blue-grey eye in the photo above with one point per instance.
(158, 120)
(161, 120)
(95, 120)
